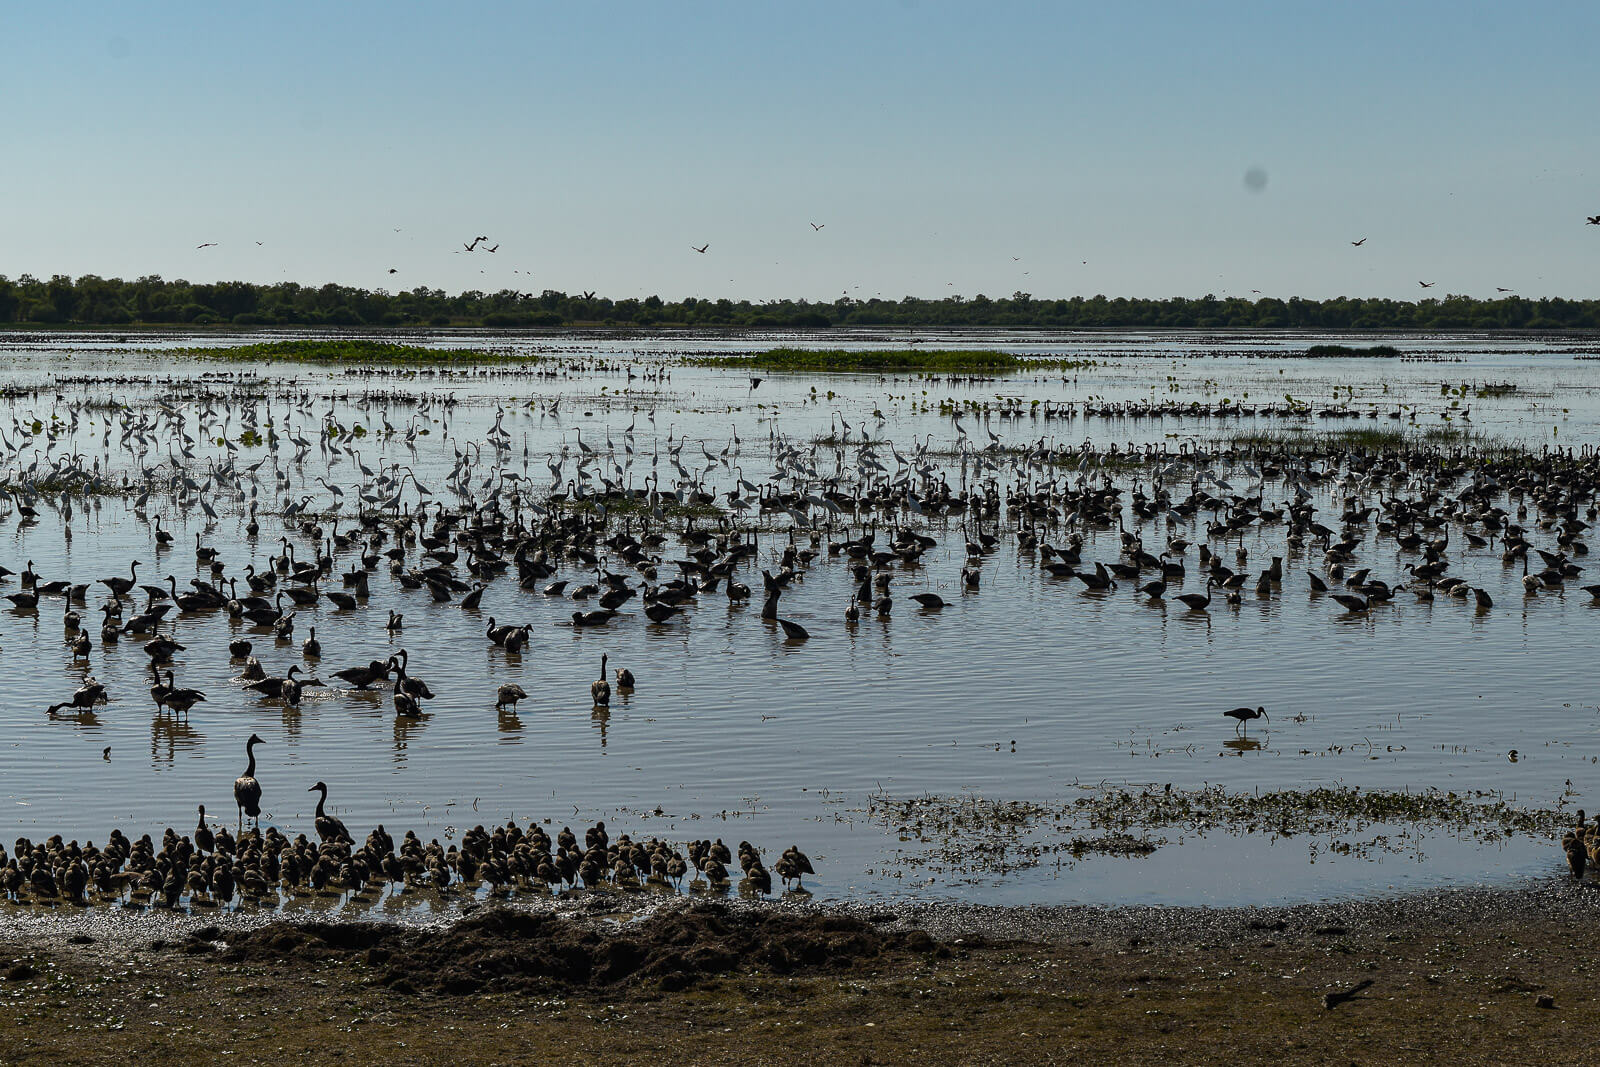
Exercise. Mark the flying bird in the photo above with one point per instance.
(208, 244)
(702, 248)
(1426, 285)
(818, 225)
(392, 270)
(496, 248)
(1500, 290)
(1359, 243)
(1594, 220)
(588, 294)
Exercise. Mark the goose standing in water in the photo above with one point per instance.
(624, 680)
(1196, 602)
(413, 687)
(509, 693)
(204, 840)
(179, 700)
(329, 828)
(363, 677)
(120, 586)
(246, 789)
(601, 689)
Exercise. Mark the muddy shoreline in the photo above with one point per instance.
(1472, 974)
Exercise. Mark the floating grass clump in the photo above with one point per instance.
(906, 360)
(1373, 439)
(971, 836)
(347, 351)
(1345, 351)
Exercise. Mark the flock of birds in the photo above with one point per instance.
(211, 867)
(682, 537)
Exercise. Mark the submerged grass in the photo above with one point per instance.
(838, 360)
(348, 351)
(1341, 351)
(973, 836)
(1370, 438)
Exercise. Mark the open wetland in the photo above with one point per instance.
(530, 666)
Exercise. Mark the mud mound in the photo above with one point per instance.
(501, 950)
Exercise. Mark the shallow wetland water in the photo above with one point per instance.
(978, 753)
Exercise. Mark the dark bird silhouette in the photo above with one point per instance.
(702, 248)
(496, 248)
(329, 827)
(1426, 285)
(1244, 716)
(818, 225)
(1500, 290)
(208, 244)
(1359, 243)
(393, 271)
(246, 790)
(1594, 220)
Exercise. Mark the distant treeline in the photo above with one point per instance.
(91, 300)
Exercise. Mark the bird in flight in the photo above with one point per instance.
(393, 270)
(1016, 259)
(1594, 220)
(496, 248)
(1359, 243)
(588, 294)
(208, 244)
(1500, 290)
(818, 225)
(1426, 285)
(702, 248)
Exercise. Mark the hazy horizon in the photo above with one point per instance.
(1061, 150)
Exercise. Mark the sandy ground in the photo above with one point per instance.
(1466, 976)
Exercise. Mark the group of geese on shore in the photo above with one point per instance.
(211, 867)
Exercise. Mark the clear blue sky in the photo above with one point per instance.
(1103, 145)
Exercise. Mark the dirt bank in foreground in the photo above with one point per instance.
(1468, 977)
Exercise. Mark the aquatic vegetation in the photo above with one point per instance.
(896, 360)
(1348, 351)
(1370, 439)
(973, 835)
(348, 350)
